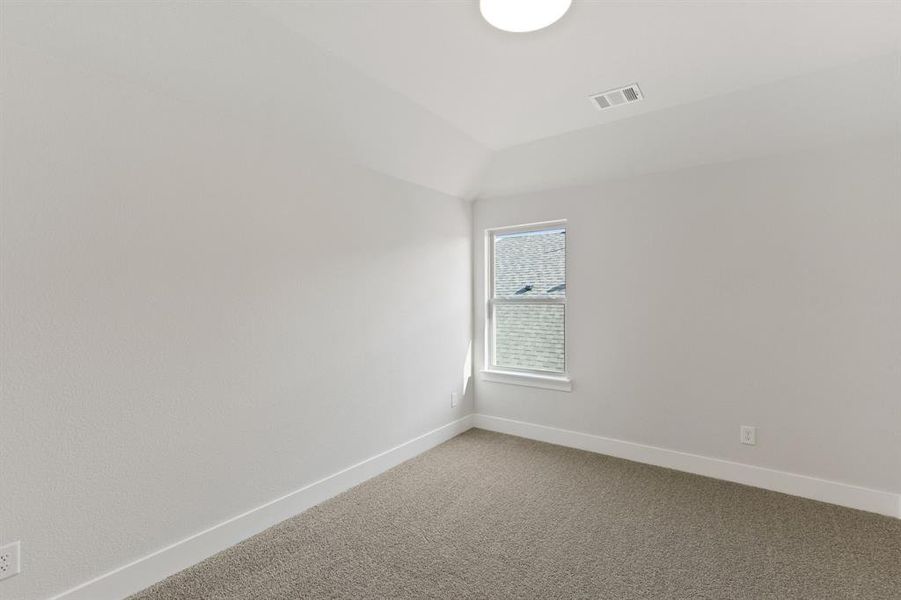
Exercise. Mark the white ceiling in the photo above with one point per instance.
(229, 61)
(842, 107)
(426, 92)
(505, 89)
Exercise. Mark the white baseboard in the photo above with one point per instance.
(833, 492)
(158, 565)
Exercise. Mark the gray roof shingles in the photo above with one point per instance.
(528, 266)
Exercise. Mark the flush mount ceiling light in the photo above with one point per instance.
(520, 16)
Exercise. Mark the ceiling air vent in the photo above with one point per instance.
(610, 98)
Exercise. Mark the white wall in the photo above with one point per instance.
(200, 314)
(761, 292)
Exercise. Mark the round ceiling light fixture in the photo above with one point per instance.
(520, 16)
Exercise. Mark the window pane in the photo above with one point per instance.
(530, 264)
(529, 336)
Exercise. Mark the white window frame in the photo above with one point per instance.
(517, 376)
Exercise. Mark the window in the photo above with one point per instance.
(526, 309)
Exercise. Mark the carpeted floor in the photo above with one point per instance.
(495, 517)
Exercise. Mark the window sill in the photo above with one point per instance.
(561, 383)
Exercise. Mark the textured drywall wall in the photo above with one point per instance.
(761, 292)
(199, 315)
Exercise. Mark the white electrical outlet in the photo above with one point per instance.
(455, 399)
(10, 562)
(748, 435)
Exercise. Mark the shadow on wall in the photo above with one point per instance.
(467, 369)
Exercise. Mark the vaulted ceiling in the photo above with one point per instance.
(427, 92)
(504, 89)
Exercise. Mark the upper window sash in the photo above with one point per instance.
(492, 235)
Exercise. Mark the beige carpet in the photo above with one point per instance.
(492, 516)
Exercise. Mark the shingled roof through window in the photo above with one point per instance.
(530, 265)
